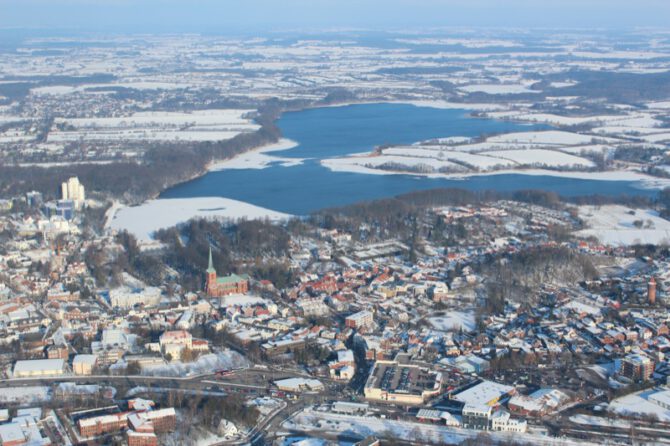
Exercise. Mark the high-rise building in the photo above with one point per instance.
(637, 367)
(73, 190)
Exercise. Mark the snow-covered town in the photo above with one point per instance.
(337, 236)
(522, 318)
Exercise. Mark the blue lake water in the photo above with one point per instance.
(336, 131)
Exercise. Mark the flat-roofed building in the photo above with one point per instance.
(477, 416)
(84, 364)
(661, 398)
(484, 393)
(103, 424)
(637, 367)
(402, 383)
(174, 342)
(38, 368)
(11, 434)
(362, 319)
(299, 385)
(142, 438)
(163, 420)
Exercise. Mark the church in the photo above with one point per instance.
(223, 286)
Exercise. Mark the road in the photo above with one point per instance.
(252, 379)
(257, 380)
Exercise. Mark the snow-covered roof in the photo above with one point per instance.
(38, 365)
(486, 392)
(85, 359)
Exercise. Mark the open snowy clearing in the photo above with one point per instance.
(619, 225)
(356, 164)
(199, 125)
(438, 153)
(546, 138)
(222, 117)
(143, 220)
(25, 395)
(638, 404)
(542, 158)
(497, 89)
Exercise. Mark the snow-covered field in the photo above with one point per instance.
(542, 158)
(542, 138)
(266, 405)
(638, 404)
(591, 421)
(200, 125)
(143, 220)
(557, 153)
(24, 395)
(498, 88)
(353, 164)
(616, 225)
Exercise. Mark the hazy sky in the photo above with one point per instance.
(255, 15)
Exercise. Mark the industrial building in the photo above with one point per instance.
(38, 368)
(402, 383)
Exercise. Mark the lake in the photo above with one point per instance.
(336, 131)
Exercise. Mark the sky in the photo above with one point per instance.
(281, 15)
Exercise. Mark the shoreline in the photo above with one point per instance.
(227, 163)
(145, 219)
(427, 103)
(257, 158)
(645, 181)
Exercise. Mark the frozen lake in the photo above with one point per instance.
(305, 185)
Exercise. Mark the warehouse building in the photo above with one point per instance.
(39, 367)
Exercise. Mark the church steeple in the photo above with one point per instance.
(210, 265)
(210, 274)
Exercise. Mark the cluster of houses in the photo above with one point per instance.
(414, 325)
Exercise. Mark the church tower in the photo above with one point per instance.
(211, 273)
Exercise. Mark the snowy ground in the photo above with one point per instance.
(342, 425)
(498, 88)
(201, 125)
(143, 220)
(639, 404)
(266, 405)
(542, 158)
(25, 395)
(512, 153)
(259, 158)
(204, 364)
(453, 320)
(615, 225)
(591, 421)
(357, 165)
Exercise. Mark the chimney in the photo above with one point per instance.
(651, 291)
